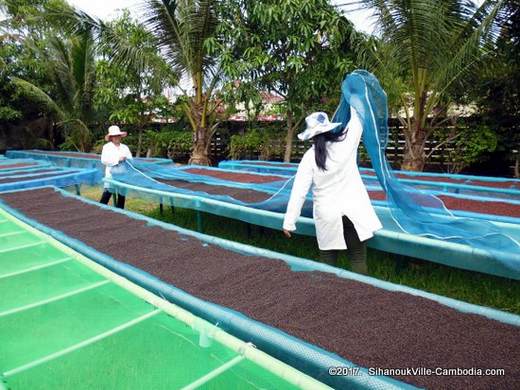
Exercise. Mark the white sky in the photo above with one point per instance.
(109, 9)
(105, 9)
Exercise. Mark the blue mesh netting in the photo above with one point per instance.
(414, 210)
(138, 175)
(411, 210)
(8, 164)
(452, 191)
(75, 159)
(143, 183)
(274, 182)
(31, 172)
(61, 161)
(55, 176)
(497, 187)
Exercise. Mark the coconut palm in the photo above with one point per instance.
(428, 48)
(181, 29)
(134, 91)
(70, 66)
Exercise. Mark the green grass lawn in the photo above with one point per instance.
(472, 287)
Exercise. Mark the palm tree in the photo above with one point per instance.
(428, 48)
(134, 91)
(181, 29)
(70, 66)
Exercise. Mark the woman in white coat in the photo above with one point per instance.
(114, 152)
(343, 214)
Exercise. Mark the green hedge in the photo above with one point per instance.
(262, 144)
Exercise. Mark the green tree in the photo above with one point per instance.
(9, 110)
(427, 49)
(67, 65)
(133, 91)
(70, 65)
(299, 50)
(468, 145)
(496, 88)
(18, 59)
(180, 29)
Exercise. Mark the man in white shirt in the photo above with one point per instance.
(114, 152)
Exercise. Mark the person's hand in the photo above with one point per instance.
(287, 233)
(122, 158)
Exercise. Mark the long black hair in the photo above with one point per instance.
(320, 146)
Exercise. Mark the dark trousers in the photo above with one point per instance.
(120, 203)
(356, 250)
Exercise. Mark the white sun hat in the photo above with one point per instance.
(114, 131)
(317, 123)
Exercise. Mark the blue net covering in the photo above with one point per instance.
(274, 195)
(278, 186)
(8, 164)
(484, 204)
(409, 214)
(41, 174)
(415, 211)
(217, 191)
(483, 186)
(75, 159)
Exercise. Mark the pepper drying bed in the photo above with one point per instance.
(68, 323)
(311, 320)
(261, 199)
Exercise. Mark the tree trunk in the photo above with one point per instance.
(199, 155)
(414, 157)
(289, 138)
(196, 112)
(50, 133)
(139, 142)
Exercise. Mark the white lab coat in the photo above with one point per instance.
(110, 157)
(338, 191)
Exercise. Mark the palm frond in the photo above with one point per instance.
(80, 23)
(181, 27)
(37, 95)
(437, 42)
(58, 64)
(467, 54)
(122, 52)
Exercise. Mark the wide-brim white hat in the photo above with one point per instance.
(114, 131)
(317, 123)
